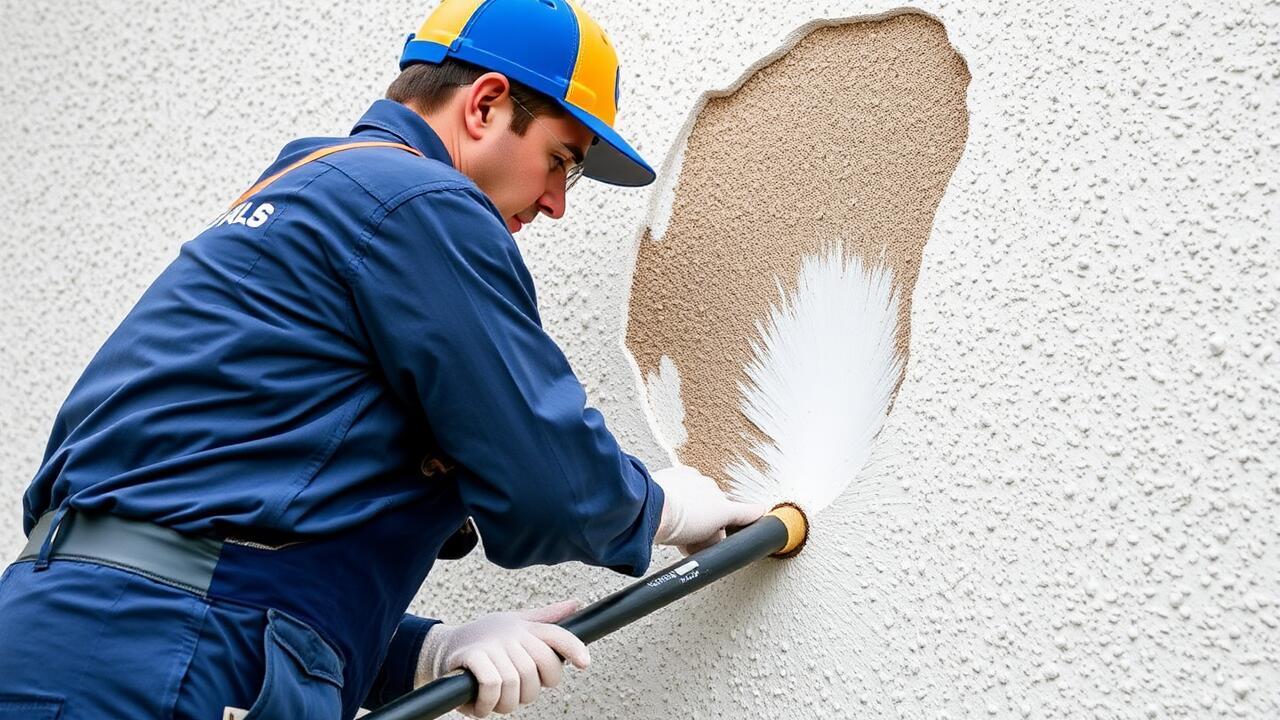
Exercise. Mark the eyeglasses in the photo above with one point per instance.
(572, 168)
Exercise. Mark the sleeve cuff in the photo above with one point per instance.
(652, 512)
(395, 677)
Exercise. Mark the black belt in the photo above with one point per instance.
(160, 553)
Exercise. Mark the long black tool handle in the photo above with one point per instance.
(764, 537)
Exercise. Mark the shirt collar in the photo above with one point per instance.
(406, 126)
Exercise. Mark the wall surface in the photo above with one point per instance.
(875, 125)
(1082, 457)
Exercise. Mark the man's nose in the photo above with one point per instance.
(552, 202)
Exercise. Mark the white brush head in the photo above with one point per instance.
(819, 383)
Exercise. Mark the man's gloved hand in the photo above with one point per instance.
(696, 511)
(512, 655)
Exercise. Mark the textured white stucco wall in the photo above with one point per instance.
(1085, 447)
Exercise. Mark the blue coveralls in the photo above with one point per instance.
(341, 372)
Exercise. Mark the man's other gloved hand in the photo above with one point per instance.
(512, 655)
(696, 511)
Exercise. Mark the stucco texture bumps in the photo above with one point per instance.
(849, 137)
(1083, 451)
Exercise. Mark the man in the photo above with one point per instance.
(251, 480)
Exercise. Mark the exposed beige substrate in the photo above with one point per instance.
(850, 136)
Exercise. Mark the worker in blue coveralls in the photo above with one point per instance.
(252, 478)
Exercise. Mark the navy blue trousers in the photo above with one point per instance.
(81, 640)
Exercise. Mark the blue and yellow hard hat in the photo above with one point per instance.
(552, 46)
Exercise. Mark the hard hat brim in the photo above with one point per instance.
(611, 159)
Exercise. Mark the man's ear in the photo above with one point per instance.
(482, 98)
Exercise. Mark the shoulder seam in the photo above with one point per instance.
(384, 209)
(328, 163)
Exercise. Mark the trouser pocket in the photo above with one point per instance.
(303, 677)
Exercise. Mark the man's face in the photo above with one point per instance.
(524, 175)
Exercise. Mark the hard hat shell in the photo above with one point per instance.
(552, 46)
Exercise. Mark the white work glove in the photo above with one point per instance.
(512, 655)
(696, 511)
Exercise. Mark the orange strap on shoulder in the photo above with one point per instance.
(322, 152)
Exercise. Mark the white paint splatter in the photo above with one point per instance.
(820, 382)
(665, 194)
(663, 388)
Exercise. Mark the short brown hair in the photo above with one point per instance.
(426, 87)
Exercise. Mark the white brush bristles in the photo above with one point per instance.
(820, 382)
